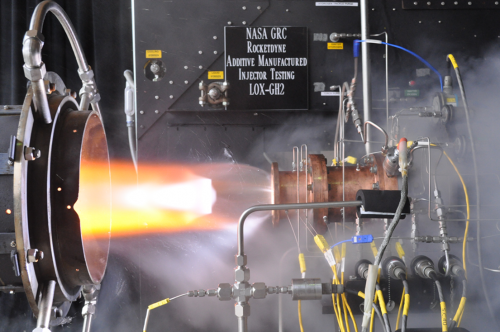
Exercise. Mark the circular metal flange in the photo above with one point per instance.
(44, 188)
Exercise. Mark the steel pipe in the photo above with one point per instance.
(45, 306)
(294, 206)
(365, 62)
(38, 18)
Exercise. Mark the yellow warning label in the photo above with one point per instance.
(215, 75)
(451, 100)
(150, 54)
(335, 46)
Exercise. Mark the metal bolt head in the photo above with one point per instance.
(241, 260)
(225, 103)
(201, 67)
(186, 67)
(5, 107)
(31, 153)
(242, 309)
(215, 37)
(442, 3)
(225, 292)
(244, 8)
(13, 244)
(241, 273)
(171, 97)
(170, 82)
(186, 82)
(259, 290)
(244, 22)
(157, 97)
(200, 52)
(141, 112)
(415, 3)
(287, 10)
(156, 111)
(259, 7)
(215, 52)
(428, 3)
(228, 23)
(469, 3)
(34, 255)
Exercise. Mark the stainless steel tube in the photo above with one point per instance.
(242, 324)
(38, 18)
(292, 206)
(87, 323)
(365, 62)
(45, 306)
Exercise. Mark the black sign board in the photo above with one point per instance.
(266, 68)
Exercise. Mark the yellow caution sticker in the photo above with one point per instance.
(451, 100)
(215, 75)
(153, 54)
(335, 46)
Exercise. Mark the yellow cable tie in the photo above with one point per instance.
(382, 302)
(302, 263)
(336, 253)
(374, 249)
(321, 243)
(453, 61)
(158, 304)
(399, 249)
(406, 308)
(444, 321)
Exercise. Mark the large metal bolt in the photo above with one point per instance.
(31, 153)
(34, 255)
(373, 169)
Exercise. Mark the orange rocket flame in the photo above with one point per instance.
(166, 198)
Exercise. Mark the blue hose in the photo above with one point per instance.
(357, 42)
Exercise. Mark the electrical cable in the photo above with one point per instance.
(444, 320)
(451, 58)
(461, 307)
(299, 307)
(159, 304)
(406, 307)
(383, 308)
(467, 202)
(374, 41)
(400, 309)
(374, 306)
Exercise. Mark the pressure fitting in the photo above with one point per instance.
(361, 268)
(455, 266)
(423, 267)
(394, 268)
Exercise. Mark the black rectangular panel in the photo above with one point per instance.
(267, 67)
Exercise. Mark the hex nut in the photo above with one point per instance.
(241, 273)
(259, 290)
(201, 292)
(271, 290)
(33, 34)
(87, 76)
(211, 292)
(35, 73)
(225, 292)
(88, 309)
(241, 260)
(242, 309)
(32, 255)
